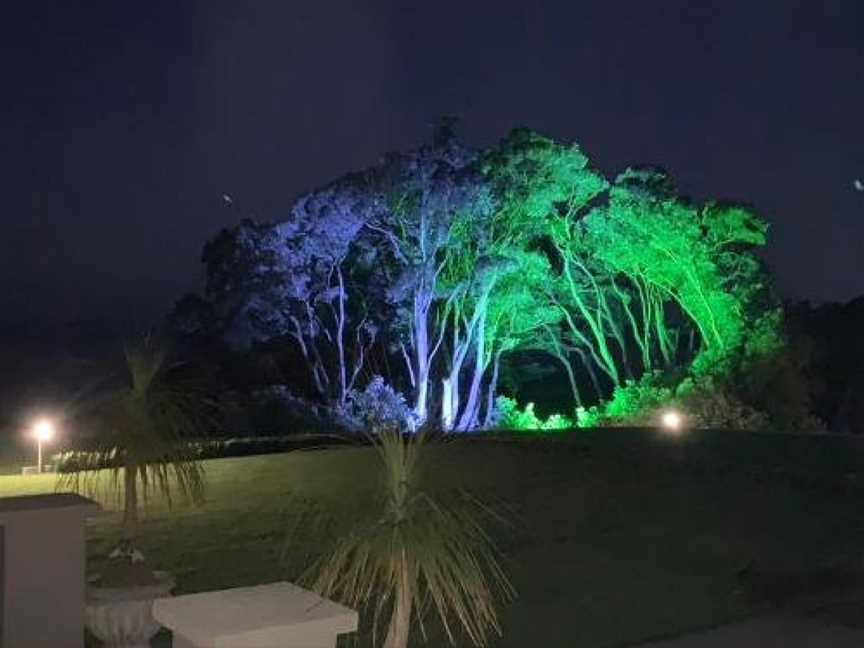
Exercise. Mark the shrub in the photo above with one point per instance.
(704, 401)
(710, 405)
(634, 403)
(380, 406)
(508, 416)
(73, 460)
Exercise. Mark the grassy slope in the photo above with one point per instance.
(607, 551)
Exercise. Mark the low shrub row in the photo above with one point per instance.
(72, 460)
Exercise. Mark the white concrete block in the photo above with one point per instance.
(42, 570)
(278, 615)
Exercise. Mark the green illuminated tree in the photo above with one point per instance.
(699, 257)
(495, 251)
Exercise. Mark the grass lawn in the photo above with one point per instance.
(607, 549)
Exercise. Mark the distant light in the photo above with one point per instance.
(43, 430)
(672, 421)
(859, 186)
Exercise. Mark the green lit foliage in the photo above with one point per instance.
(510, 417)
(517, 315)
(698, 256)
(636, 402)
(495, 270)
(534, 178)
(705, 402)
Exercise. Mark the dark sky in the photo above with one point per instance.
(124, 122)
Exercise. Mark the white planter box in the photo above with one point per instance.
(279, 615)
(42, 570)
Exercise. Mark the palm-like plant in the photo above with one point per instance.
(141, 435)
(416, 551)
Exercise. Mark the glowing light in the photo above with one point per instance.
(672, 421)
(43, 430)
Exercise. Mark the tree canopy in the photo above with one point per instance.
(438, 264)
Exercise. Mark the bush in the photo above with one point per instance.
(634, 403)
(380, 406)
(709, 405)
(508, 416)
(705, 403)
(72, 460)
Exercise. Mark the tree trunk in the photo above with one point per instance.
(468, 420)
(490, 393)
(594, 320)
(130, 503)
(421, 344)
(586, 362)
(340, 341)
(400, 622)
(666, 349)
(571, 379)
(450, 401)
(447, 414)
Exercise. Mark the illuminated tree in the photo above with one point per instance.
(519, 316)
(548, 188)
(495, 250)
(445, 259)
(697, 256)
(425, 192)
(299, 280)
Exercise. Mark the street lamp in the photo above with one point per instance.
(43, 430)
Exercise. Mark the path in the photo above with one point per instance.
(839, 624)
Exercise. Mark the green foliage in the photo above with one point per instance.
(636, 402)
(533, 177)
(765, 339)
(700, 257)
(702, 403)
(518, 309)
(510, 417)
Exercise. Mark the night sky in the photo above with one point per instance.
(124, 123)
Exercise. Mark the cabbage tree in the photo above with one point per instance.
(141, 435)
(416, 552)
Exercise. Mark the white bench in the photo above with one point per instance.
(278, 615)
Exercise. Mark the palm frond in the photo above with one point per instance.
(440, 546)
(146, 427)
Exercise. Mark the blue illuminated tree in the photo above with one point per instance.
(298, 280)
